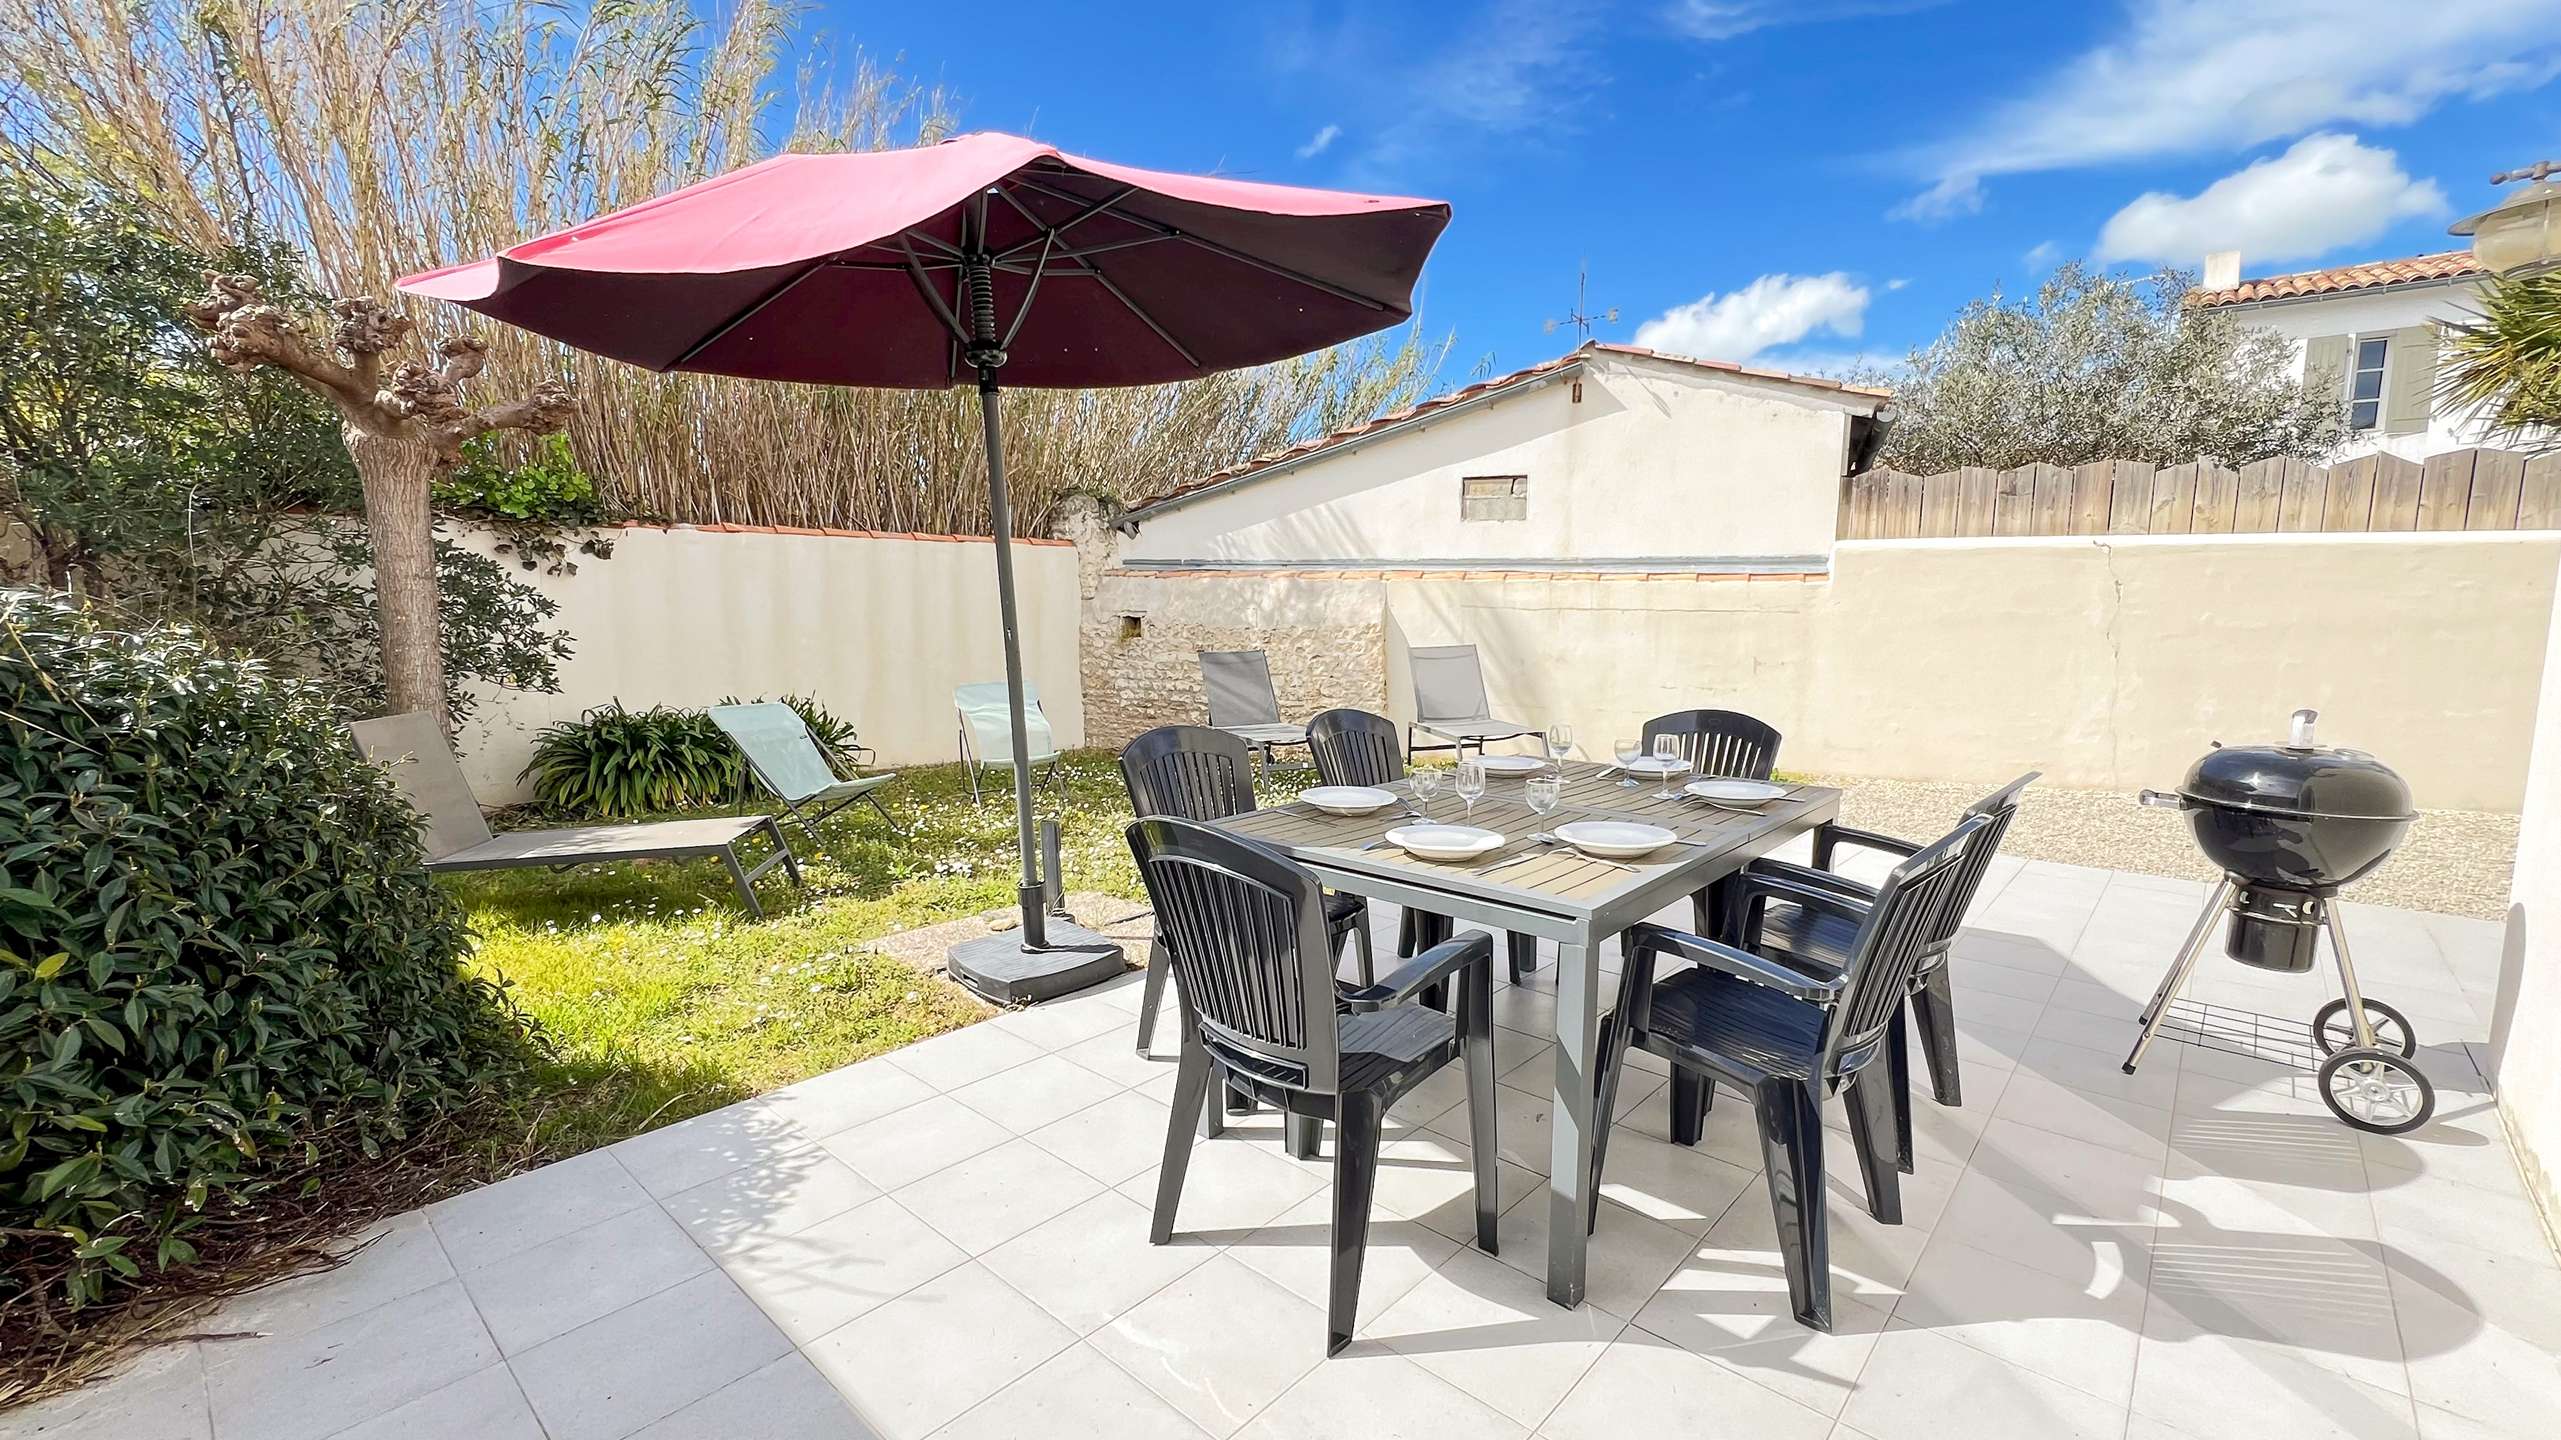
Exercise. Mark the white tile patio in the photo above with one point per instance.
(951, 1242)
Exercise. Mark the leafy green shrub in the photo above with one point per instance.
(613, 763)
(549, 485)
(220, 960)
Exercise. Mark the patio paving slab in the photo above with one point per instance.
(951, 1242)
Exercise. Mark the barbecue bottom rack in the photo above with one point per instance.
(2359, 1047)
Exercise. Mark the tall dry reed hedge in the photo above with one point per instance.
(386, 136)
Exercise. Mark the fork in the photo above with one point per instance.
(1544, 837)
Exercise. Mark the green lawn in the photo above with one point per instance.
(664, 1000)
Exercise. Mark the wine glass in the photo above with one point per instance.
(1560, 743)
(1545, 793)
(1667, 755)
(1628, 753)
(1471, 785)
(1427, 784)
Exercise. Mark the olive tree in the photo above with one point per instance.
(404, 429)
(2096, 367)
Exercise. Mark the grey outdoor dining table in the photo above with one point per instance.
(1562, 897)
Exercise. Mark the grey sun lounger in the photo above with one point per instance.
(1242, 702)
(1449, 701)
(458, 837)
(785, 759)
(987, 730)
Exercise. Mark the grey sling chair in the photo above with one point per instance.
(1449, 701)
(1238, 684)
(784, 757)
(413, 750)
(1254, 971)
(987, 731)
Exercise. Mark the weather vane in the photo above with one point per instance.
(1580, 318)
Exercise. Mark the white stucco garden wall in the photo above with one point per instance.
(2525, 1061)
(1658, 460)
(877, 629)
(2103, 661)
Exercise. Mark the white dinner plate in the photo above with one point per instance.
(1655, 765)
(1444, 842)
(1615, 839)
(1348, 799)
(1512, 764)
(1735, 792)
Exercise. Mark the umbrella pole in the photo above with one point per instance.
(1042, 958)
(1030, 893)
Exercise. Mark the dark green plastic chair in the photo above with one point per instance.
(1254, 969)
(1790, 1041)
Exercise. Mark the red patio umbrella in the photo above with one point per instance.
(982, 256)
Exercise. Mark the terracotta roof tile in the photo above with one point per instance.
(1482, 387)
(2342, 279)
(734, 529)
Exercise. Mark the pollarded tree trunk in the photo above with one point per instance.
(398, 476)
(402, 431)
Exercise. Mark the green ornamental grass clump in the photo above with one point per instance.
(616, 763)
(220, 961)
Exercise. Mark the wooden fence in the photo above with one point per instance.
(2460, 490)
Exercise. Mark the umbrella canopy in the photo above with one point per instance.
(852, 269)
(984, 256)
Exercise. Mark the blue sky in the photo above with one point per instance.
(1793, 182)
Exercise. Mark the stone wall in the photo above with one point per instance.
(1141, 635)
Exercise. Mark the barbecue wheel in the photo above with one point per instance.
(2376, 1090)
(2332, 1032)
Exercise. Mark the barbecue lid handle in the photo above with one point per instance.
(2302, 734)
(2162, 799)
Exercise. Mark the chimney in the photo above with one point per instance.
(2222, 270)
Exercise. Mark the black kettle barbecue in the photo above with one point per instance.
(2289, 825)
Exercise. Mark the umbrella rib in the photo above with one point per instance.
(1136, 309)
(1170, 232)
(924, 287)
(1031, 292)
(741, 318)
(1092, 209)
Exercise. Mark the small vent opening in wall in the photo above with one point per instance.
(1493, 497)
(1133, 627)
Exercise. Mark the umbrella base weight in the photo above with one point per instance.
(1003, 969)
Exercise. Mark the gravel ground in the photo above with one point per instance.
(2456, 862)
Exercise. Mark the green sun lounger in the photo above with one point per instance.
(785, 758)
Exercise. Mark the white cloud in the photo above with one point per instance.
(2187, 77)
(1952, 196)
(1866, 364)
(1726, 19)
(1320, 142)
(1898, 282)
(1771, 311)
(2325, 192)
(2039, 257)
(1519, 69)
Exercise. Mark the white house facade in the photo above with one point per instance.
(1607, 457)
(2371, 330)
